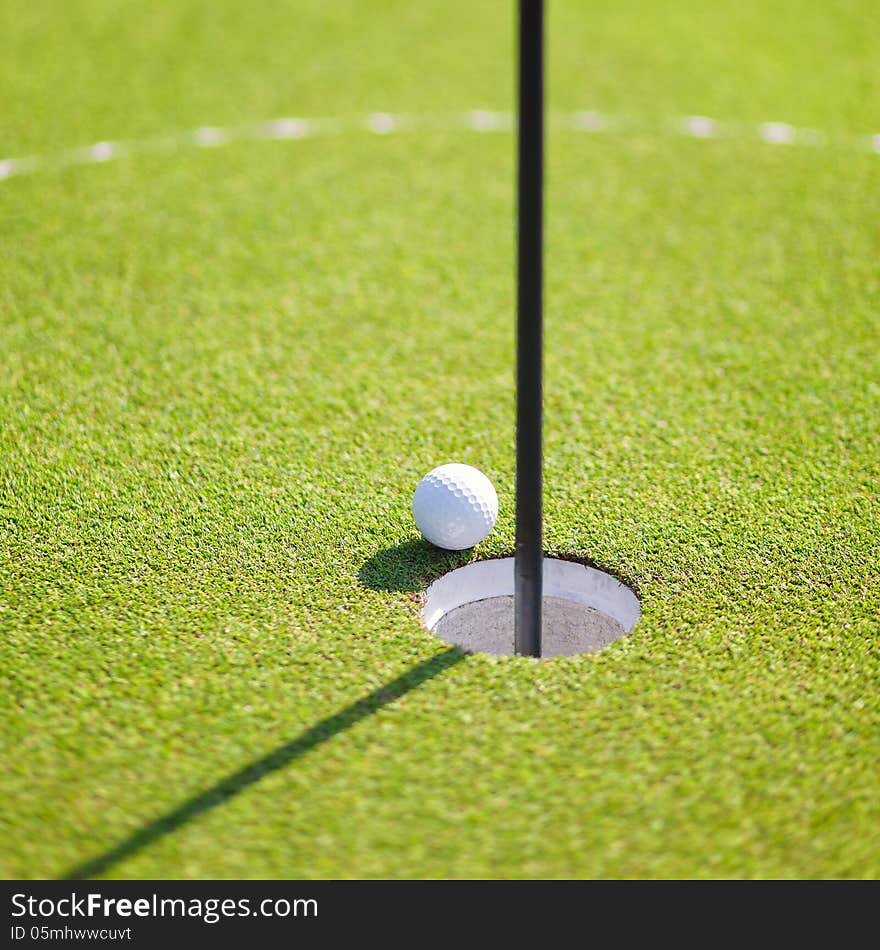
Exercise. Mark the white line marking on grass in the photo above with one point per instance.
(699, 126)
(287, 128)
(87, 155)
(778, 133)
(104, 151)
(590, 121)
(384, 123)
(19, 166)
(210, 137)
(482, 120)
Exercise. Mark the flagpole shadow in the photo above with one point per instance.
(250, 774)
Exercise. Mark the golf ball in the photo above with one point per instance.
(455, 506)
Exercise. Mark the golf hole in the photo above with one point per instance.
(583, 609)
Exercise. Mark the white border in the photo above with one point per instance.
(566, 579)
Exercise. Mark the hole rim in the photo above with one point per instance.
(567, 578)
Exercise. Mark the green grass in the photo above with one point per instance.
(223, 371)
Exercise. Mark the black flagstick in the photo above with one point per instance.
(529, 411)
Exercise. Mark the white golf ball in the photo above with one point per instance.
(455, 506)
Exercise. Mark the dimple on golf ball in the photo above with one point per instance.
(455, 506)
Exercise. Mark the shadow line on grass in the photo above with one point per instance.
(251, 774)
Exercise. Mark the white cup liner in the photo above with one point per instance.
(584, 609)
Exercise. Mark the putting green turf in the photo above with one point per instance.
(223, 371)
